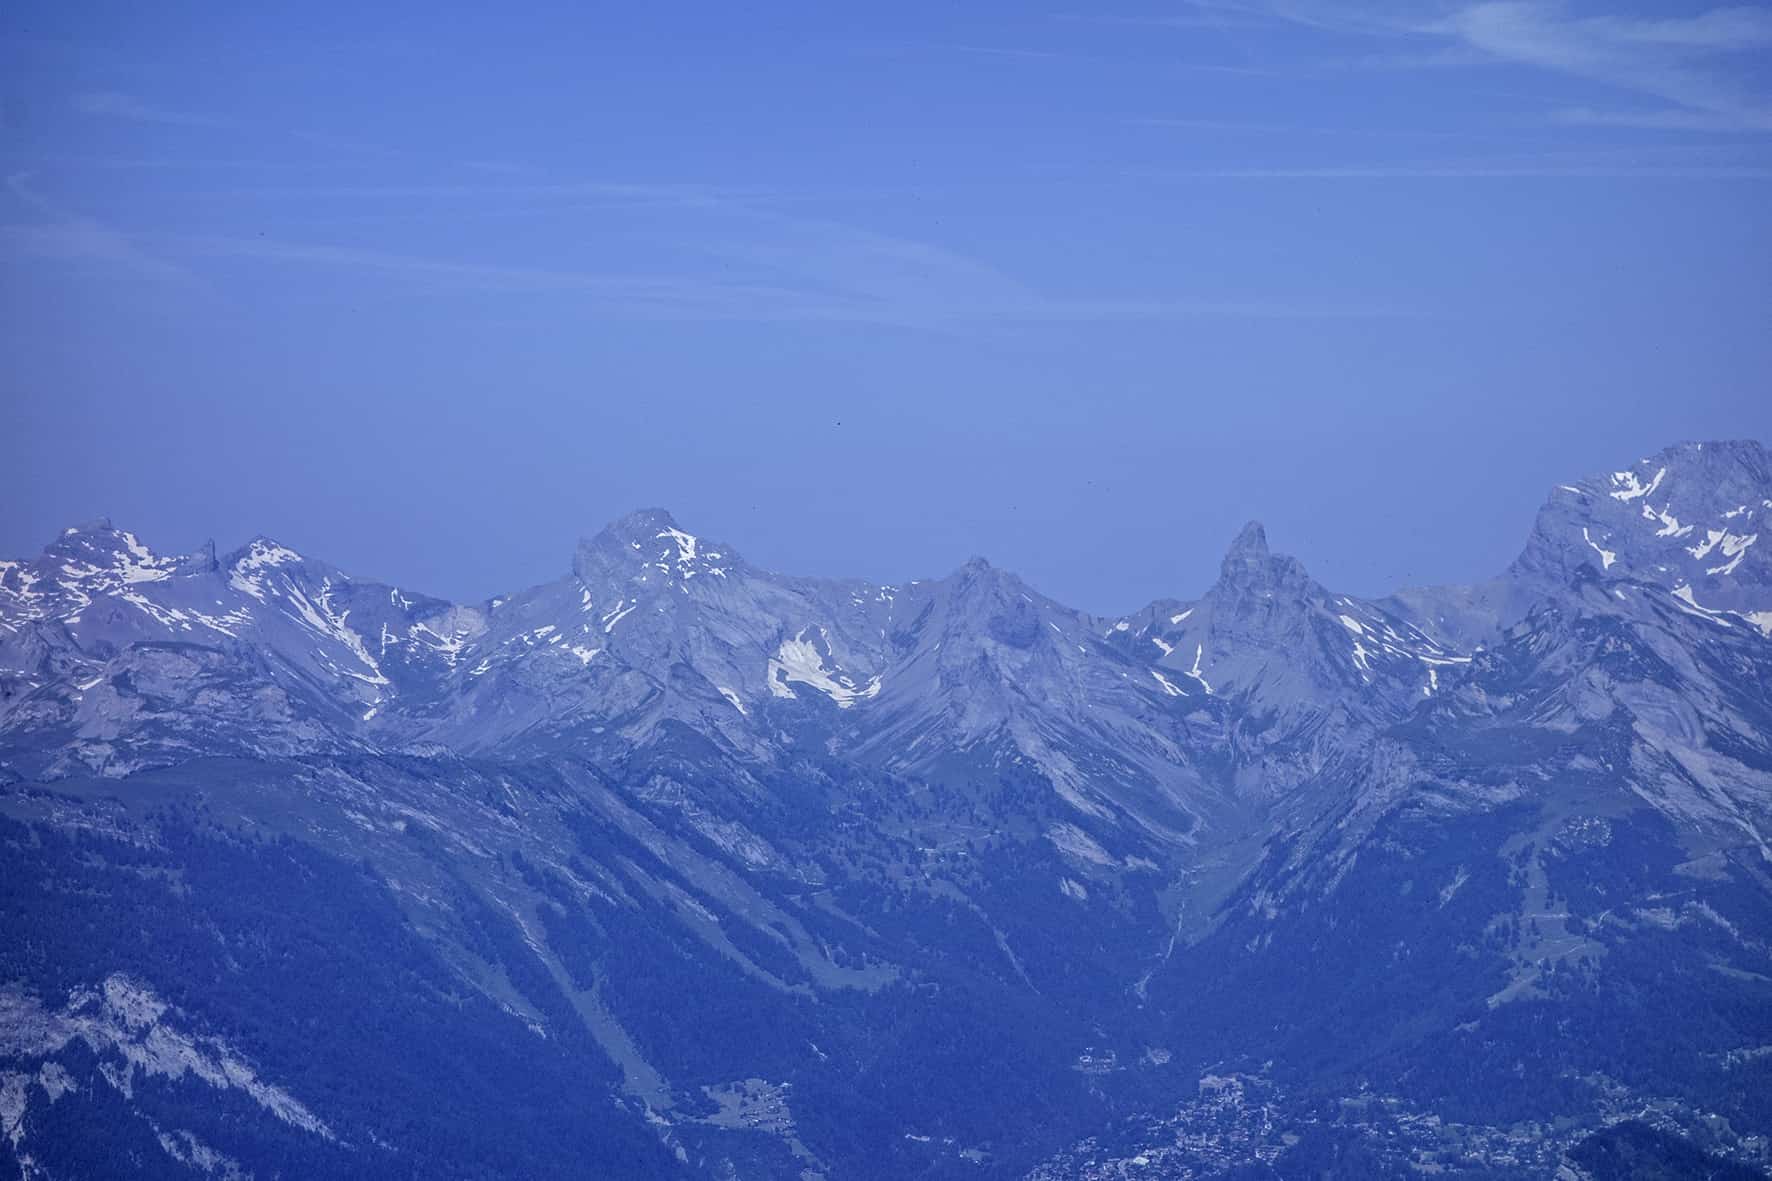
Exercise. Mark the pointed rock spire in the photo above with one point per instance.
(1252, 539)
(1250, 568)
(1248, 556)
(202, 561)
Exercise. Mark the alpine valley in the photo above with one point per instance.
(678, 867)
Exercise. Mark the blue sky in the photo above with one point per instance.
(431, 290)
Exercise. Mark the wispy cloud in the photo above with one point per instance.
(1708, 68)
(713, 252)
(131, 108)
(1007, 51)
(1481, 172)
(115, 105)
(778, 269)
(1659, 119)
(1676, 60)
(1660, 162)
(69, 237)
(687, 194)
(1067, 55)
(1246, 127)
(642, 291)
(1723, 29)
(1215, 17)
(63, 161)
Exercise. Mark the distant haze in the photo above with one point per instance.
(432, 292)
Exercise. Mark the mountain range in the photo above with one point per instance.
(679, 867)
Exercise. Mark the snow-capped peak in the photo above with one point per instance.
(248, 566)
(649, 548)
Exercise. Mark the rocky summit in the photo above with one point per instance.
(679, 867)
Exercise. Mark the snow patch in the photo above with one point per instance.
(1693, 607)
(1607, 557)
(1630, 488)
(620, 612)
(323, 619)
(802, 661)
(1075, 843)
(1670, 524)
(1734, 548)
(260, 555)
(1711, 538)
(1194, 672)
(685, 543)
(138, 564)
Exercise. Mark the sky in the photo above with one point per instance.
(431, 291)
